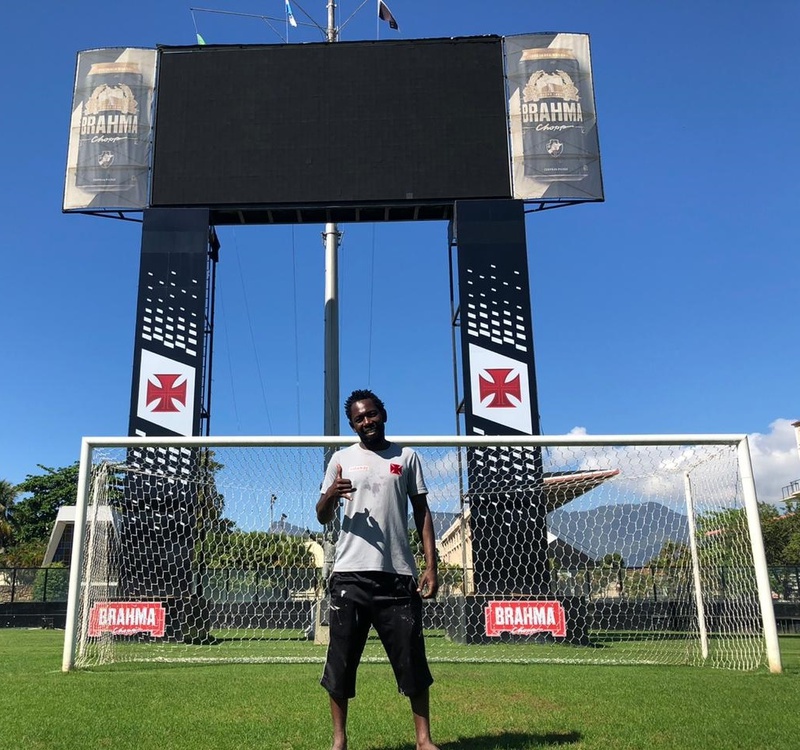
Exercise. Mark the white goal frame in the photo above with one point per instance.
(737, 442)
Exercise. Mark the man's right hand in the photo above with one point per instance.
(342, 488)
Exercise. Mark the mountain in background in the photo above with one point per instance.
(638, 532)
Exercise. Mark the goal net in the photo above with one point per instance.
(561, 549)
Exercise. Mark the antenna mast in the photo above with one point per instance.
(333, 32)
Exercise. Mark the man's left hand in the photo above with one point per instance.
(428, 583)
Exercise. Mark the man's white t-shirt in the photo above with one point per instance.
(374, 534)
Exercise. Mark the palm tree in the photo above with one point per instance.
(8, 493)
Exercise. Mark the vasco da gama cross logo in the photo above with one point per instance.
(165, 393)
(500, 387)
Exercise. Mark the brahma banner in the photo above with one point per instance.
(110, 133)
(555, 151)
(525, 618)
(127, 618)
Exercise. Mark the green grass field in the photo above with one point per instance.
(473, 706)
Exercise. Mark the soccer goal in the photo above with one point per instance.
(578, 548)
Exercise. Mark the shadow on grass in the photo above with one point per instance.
(505, 741)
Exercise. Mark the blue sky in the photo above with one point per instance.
(670, 308)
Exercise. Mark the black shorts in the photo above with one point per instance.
(393, 606)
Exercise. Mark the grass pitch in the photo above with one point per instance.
(473, 706)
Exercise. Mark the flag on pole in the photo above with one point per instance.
(289, 14)
(200, 39)
(386, 15)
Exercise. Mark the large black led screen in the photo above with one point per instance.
(353, 123)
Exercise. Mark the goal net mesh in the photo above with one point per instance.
(621, 553)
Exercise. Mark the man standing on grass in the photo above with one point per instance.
(374, 580)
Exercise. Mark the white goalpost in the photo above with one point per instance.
(578, 548)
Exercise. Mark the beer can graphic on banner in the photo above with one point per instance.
(114, 128)
(552, 101)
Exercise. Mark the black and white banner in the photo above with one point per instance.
(507, 512)
(170, 323)
(496, 329)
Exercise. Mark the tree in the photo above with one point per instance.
(782, 534)
(725, 533)
(32, 518)
(8, 493)
(51, 584)
(671, 555)
(670, 569)
(27, 555)
(613, 560)
(254, 550)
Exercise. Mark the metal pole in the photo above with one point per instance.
(99, 481)
(331, 403)
(331, 385)
(759, 557)
(78, 535)
(698, 581)
(333, 32)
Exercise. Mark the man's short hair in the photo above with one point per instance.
(362, 394)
